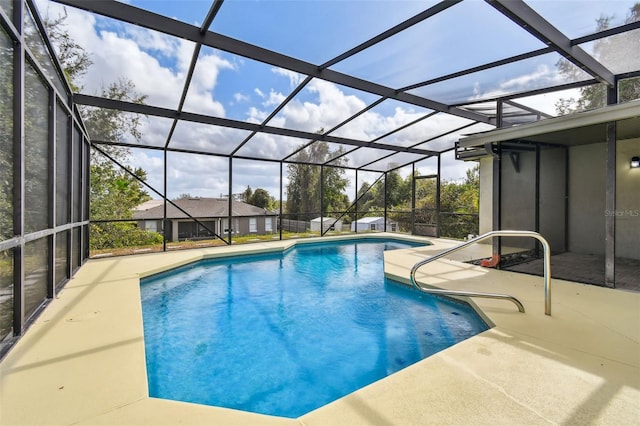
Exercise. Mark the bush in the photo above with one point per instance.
(458, 226)
(109, 235)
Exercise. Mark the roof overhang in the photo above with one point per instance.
(574, 129)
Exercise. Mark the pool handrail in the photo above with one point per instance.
(491, 234)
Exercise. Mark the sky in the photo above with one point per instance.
(229, 86)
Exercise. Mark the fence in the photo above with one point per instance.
(291, 225)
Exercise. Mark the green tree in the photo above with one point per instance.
(365, 197)
(246, 195)
(461, 197)
(459, 205)
(398, 193)
(114, 192)
(261, 198)
(459, 202)
(6, 139)
(305, 183)
(609, 50)
(74, 59)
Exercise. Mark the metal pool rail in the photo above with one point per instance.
(504, 233)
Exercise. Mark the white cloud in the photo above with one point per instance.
(157, 65)
(152, 40)
(543, 75)
(274, 99)
(294, 77)
(256, 116)
(239, 97)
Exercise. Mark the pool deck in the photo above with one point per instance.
(82, 361)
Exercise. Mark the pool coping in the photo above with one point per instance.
(82, 361)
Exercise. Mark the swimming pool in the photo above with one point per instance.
(283, 334)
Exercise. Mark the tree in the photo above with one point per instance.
(261, 198)
(6, 140)
(609, 50)
(459, 202)
(114, 192)
(398, 193)
(74, 59)
(461, 197)
(365, 197)
(459, 205)
(112, 186)
(246, 195)
(305, 183)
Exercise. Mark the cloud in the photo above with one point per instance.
(157, 64)
(543, 75)
(294, 77)
(239, 97)
(274, 98)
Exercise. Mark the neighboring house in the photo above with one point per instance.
(148, 205)
(212, 212)
(328, 224)
(373, 224)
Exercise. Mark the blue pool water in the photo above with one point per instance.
(284, 334)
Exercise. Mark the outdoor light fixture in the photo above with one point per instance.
(635, 162)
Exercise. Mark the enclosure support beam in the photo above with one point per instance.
(51, 195)
(522, 14)
(497, 200)
(18, 173)
(322, 231)
(96, 101)
(537, 198)
(355, 204)
(413, 198)
(386, 198)
(610, 201)
(165, 25)
(69, 190)
(610, 197)
(230, 217)
(497, 188)
(165, 221)
(280, 213)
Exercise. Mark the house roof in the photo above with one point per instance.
(370, 219)
(324, 219)
(148, 205)
(201, 208)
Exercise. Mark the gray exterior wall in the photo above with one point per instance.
(486, 195)
(518, 201)
(328, 222)
(587, 177)
(627, 200)
(552, 198)
(577, 225)
(240, 225)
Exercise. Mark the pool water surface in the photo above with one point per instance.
(284, 334)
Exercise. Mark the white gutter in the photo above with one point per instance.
(580, 119)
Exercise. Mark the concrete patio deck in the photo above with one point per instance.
(82, 361)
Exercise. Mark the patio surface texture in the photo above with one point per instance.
(82, 362)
